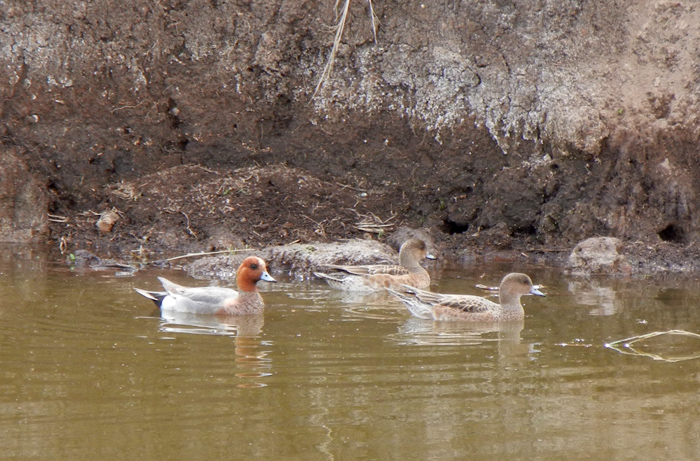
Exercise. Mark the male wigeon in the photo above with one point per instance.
(216, 300)
(436, 306)
(376, 277)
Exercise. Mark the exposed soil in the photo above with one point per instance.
(503, 130)
(193, 209)
(286, 215)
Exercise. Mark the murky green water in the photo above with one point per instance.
(88, 369)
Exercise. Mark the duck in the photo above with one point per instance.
(436, 306)
(376, 277)
(215, 300)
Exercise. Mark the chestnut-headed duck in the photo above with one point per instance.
(376, 277)
(216, 300)
(436, 306)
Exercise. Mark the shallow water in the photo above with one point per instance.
(89, 369)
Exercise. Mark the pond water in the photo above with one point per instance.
(89, 369)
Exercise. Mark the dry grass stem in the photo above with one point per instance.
(487, 288)
(339, 29)
(373, 224)
(125, 191)
(189, 229)
(57, 218)
(206, 253)
(373, 18)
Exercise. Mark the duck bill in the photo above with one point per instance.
(267, 277)
(535, 290)
(430, 256)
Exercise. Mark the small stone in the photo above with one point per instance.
(597, 255)
(107, 220)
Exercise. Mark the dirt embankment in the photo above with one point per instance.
(498, 128)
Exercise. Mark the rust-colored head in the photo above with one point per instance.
(251, 270)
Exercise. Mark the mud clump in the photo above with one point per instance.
(598, 255)
(297, 260)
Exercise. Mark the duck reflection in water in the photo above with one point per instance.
(506, 335)
(252, 362)
(223, 325)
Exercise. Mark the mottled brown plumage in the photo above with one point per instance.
(427, 305)
(376, 277)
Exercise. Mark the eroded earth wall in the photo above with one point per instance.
(550, 120)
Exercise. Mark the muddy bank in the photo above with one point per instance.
(589, 259)
(146, 131)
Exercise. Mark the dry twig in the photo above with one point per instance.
(207, 253)
(57, 218)
(339, 29)
(373, 224)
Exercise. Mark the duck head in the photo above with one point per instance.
(413, 251)
(519, 284)
(250, 272)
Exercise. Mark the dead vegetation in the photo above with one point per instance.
(342, 19)
(190, 209)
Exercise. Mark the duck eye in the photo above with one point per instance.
(253, 266)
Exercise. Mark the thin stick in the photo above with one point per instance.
(207, 253)
(374, 19)
(340, 27)
(487, 288)
(189, 229)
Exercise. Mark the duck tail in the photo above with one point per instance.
(336, 281)
(415, 306)
(323, 275)
(155, 296)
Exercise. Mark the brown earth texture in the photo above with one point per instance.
(498, 129)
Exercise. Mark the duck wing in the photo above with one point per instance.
(211, 296)
(372, 269)
(207, 295)
(470, 304)
(462, 303)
